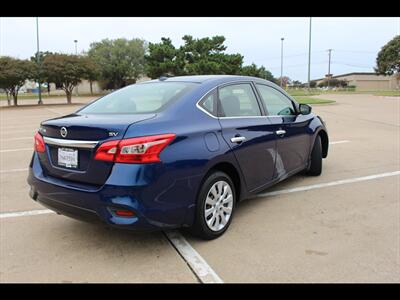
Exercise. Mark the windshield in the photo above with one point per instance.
(139, 98)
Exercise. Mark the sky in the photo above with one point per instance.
(354, 41)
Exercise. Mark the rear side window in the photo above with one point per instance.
(276, 103)
(139, 98)
(209, 103)
(238, 100)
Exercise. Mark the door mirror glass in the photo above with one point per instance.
(305, 109)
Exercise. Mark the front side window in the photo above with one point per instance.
(238, 100)
(276, 103)
(139, 98)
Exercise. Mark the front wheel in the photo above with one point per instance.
(315, 167)
(215, 206)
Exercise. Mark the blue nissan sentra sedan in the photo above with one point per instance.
(174, 152)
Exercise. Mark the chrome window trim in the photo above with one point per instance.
(201, 98)
(243, 117)
(281, 116)
(216, 87)
(70, 143)
(239, 117)
(205, 111)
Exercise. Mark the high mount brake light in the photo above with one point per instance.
(39, 143)
(138, 150)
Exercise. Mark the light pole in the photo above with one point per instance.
(281, 60)
(38, 60)
(76, 53)
(309, 56)
(329, 66)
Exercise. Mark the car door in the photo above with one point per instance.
(291, 130)
(248, 132)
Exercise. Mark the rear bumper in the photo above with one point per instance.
(155, 207)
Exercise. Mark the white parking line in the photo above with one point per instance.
(19, 138)
(30, 130)
(5, 129)
(16, 150)
(25, 213)
(339, 142)
(53, 111)
(194, 260)
(327, 184)
(13, 170)
(33, 116)
(196, 263)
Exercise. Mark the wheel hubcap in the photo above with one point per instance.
(218, 206)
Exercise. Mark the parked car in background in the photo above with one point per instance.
(174, 152)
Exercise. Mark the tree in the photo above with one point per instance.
(66, 71)
(342, 83)
(253, 70)
(164, 59)
(285, 81)
(297, 83)
(206, 56)
(40, 75)
(313, 84)
(333, 83)
(388, 59)
(195, 57)
(13, 74)
(92, 71)
(121, 61)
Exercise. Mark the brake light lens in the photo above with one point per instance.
(107, 151)
(138, 150)
(39, 143)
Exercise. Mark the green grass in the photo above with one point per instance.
(387, 93)
(313, 92)
(309, 100)
(295, 93)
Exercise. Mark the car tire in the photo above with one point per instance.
(315, 167)
(217, 187)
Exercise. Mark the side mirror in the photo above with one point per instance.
(304, 109)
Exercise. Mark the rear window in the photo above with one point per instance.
(139, 98)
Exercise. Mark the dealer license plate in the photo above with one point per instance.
(68, 157)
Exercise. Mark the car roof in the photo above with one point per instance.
(204, 78)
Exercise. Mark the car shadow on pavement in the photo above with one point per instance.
(97, 232)
(287, 183)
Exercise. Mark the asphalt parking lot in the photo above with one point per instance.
(343, 226)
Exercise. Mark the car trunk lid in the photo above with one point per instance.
(71, 142)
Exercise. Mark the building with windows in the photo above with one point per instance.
(367, 81)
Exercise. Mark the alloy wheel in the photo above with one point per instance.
(218, 205)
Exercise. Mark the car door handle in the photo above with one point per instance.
(238, 139)
(280, 132)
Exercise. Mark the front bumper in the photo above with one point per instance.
(154, 206)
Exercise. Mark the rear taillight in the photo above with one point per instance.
(138, 150)
(39, 143)
(107, 151)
